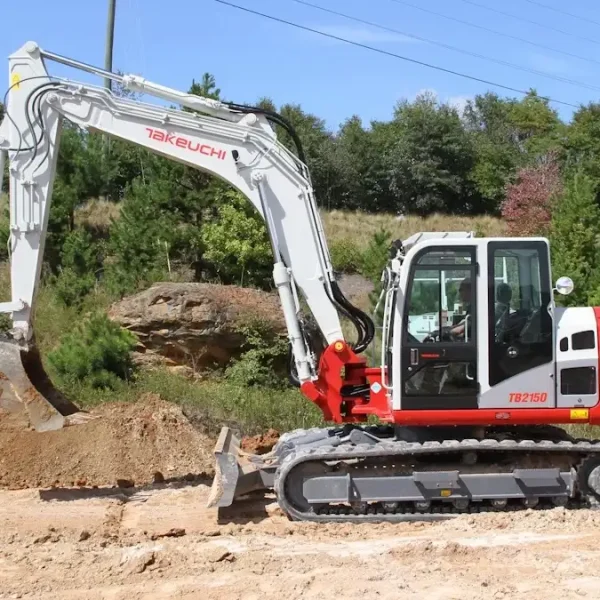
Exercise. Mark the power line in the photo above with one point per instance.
(448, 46)
(501, 12)
(386, 53)
(563, 12)
(494, 31)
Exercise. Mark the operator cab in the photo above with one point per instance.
(476, 327)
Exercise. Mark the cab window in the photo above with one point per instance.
(520, 326)
(441, 297)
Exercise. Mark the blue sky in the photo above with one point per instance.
(175, 41)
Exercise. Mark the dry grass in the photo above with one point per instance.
(357, 226)
(360, 227)
(97, 214)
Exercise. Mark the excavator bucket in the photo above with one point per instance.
(25, 386)
(236, 472)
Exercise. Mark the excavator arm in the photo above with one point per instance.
(235, 143)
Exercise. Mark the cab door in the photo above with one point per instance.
(439, 339)
(520, 350)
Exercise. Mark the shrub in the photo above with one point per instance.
(263, 359)
(375, 256)
(345, 255)
(97, 352)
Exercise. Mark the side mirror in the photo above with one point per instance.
(564, 286)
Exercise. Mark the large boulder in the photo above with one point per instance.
(194, 326)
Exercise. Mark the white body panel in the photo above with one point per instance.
(531, 389)
(572, 321)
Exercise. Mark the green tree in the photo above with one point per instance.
(574, 238)
(536, 128)
(80, 264)
(363, 181)
(508, 134)
(140, 240)
(431, 159)
(582, 140)
(207, 87)
(237, 246)
(487, 119)
(97, 352)
(373, 260)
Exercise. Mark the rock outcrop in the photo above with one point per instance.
(194, 326)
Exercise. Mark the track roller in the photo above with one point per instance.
(530, 502)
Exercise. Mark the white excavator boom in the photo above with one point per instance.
(232, 142)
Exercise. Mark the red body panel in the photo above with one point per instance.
(340, 367)
(519, 416)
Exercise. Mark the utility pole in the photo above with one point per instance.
(110, 37)
(108, 63)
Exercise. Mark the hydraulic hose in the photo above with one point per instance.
(276, 118)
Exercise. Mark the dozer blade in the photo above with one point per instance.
(236, 474)
(24, 384)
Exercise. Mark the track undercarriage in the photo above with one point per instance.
(407, 474)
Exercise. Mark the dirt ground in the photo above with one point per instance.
(158, 541)
(163, 543)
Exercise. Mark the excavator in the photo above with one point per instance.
(479, 368)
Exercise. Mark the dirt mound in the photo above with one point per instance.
(129, 444)
(261, 443)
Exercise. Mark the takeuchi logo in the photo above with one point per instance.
(183, 142)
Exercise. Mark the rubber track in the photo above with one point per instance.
(399, 448)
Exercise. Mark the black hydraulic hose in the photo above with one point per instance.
(36, 109)
(277, 118)
(361, 321)
(366, 323)
(9, 117)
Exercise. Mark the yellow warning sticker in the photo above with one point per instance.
(15, 81)
(579, 413)
(445, 493)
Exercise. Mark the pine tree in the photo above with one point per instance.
(574, 239)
